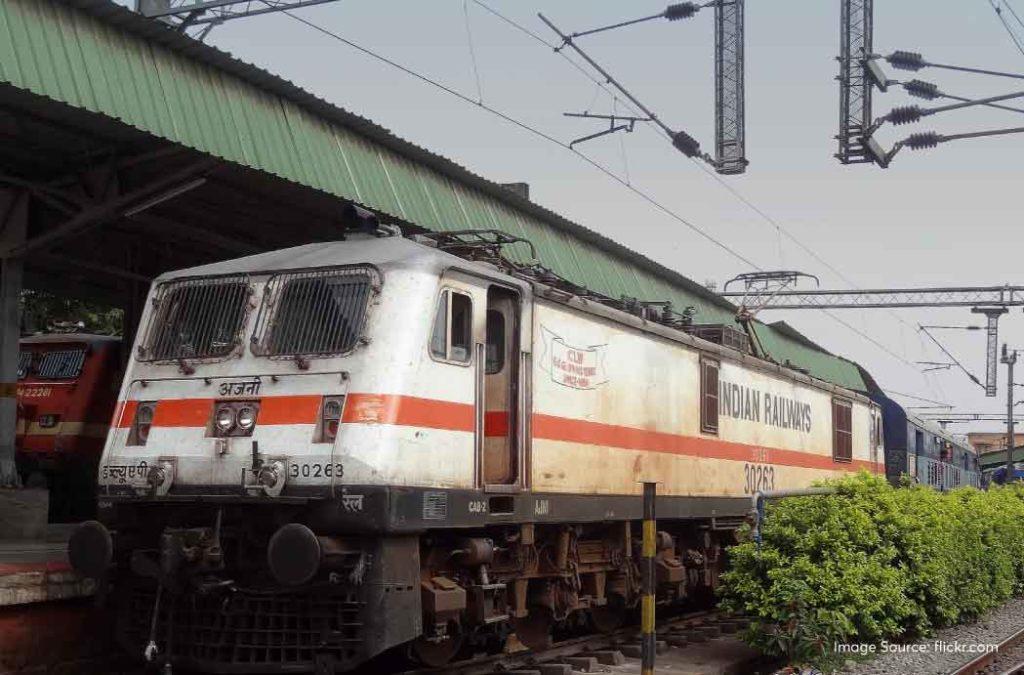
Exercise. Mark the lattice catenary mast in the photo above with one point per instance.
(992, 301)
(855, 81)
(730, 134)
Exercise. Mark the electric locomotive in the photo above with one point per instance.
(382, 444)
(67, 388)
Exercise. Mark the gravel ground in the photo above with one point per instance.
(992, 629)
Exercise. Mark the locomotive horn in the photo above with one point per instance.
(91, 549)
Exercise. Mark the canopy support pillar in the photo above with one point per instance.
(13, 224)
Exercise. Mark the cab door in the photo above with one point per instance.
(500, 364)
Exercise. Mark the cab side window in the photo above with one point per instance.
(452, 338)
(495, 342)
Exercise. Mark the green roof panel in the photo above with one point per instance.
(98, 56)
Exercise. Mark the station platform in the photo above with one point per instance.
(49, 621)
(33, 571)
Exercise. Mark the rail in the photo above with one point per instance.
(527, 660)
(984, 662)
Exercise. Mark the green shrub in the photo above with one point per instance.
(873, 563)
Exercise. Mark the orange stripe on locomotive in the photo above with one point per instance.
(413, 411)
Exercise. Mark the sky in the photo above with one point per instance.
(943, 217)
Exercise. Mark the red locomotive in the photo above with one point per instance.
(67, 387)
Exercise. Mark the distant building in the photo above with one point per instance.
(993, 465)
(986, 441)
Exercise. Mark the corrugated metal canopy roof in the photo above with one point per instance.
(100, 57)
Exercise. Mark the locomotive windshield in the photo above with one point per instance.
(24, 364)
(61, 365)
(317, 312)
(196, 318)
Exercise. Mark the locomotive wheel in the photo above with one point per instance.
(435, 654)
(534, 630)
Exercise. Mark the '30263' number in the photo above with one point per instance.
(316, 470)
(759, 478)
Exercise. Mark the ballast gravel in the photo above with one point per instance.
(936, 655)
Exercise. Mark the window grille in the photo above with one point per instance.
(842, 430)
(709, 396)
(59, 365)
(314, 312)
(197, 318)
(24, 364)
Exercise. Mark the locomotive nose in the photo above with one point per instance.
(91, 549)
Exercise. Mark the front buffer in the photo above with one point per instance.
(229, 589)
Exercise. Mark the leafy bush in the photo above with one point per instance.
(873, 563)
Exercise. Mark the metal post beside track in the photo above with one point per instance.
(648, 639)
(1009, 358)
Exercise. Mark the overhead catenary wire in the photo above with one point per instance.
(472, 50)
(622, 144)
(956, 361)
(929, 139)
(914, 61)
(1006, 3)
(668, 133)
(550, 45)
(528, 128)
(551, 139)
(931, 91)
(914, 397)
(1008, 108)
(933, 382)
(681, 140)
(675, 12)
(784, 232)
(660, 127)
(909, 114)
(995, 4)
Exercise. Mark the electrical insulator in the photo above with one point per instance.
(922, 89)
(905, 114)
(906, 60)
(923, 140)
(686, 144)
(681, 10)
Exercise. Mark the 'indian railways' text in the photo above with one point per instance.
(745, 403)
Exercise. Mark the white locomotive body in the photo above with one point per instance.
(402, 446)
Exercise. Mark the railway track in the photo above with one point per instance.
(1007, 659)
(614, 648)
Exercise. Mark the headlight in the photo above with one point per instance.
(48, 421)
(145, 414)
(330, 419)
(225, 418)
(235, 418)
(332, 409)
(142, 422)
(246, 418)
